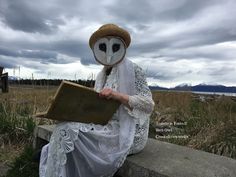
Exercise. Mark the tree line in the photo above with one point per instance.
(50, 82)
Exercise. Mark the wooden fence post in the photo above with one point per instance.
(5, 87)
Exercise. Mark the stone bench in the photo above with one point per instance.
(161, 159)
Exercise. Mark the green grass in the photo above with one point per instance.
(16, 125)
(24, 166)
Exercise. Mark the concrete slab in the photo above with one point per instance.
(161, 159)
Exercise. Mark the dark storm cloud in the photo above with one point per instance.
(57, 31)
(6, 63)
(12, 62)
(208, 53)
(160, 75)
(207, 36)
(38, 54)
(20, 15)
(165, 74)
(221, 71)
(186, 46)
(10, 58)
(185, 10)
(145, 12)
(49, 51)
(8, 52)
(74, 48)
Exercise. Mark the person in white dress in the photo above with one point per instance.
(93, 150)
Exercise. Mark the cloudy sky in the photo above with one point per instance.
(184, 41)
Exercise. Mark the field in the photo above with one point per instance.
(17, 123)
(209, 121)
(202, 122)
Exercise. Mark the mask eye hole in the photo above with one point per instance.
(115, 47)
(103, 47)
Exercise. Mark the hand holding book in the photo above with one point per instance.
(111, 94)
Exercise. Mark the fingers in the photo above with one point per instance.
(106, 93)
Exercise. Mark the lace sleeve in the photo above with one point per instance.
(141, 103)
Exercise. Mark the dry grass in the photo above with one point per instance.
(211, 121)
(211, 124)
(26, 100)
(37, 98)
(16, 120)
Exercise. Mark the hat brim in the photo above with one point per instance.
(110, 31)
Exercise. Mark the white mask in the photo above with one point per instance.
(109, 50)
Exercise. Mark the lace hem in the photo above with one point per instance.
(140, 138)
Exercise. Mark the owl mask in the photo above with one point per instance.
(109, 50)
(109, 44)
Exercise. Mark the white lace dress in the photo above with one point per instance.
(89, 150)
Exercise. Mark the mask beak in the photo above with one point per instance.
(108, 59)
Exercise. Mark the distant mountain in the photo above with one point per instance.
(213, 88)
(157, 88)
(182, 87)
(199, 88)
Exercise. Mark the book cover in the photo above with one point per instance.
(77, 103)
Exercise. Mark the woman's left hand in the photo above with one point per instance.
(108, 94)
(111, 94)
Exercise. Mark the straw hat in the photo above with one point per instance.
(110, 30)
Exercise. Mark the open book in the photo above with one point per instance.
(77, 103)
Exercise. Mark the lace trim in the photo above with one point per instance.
(142, 108)
(111, 81)
(141, 85)
(141, 102)
(142, 105)
(43, 160)
(140, 138)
